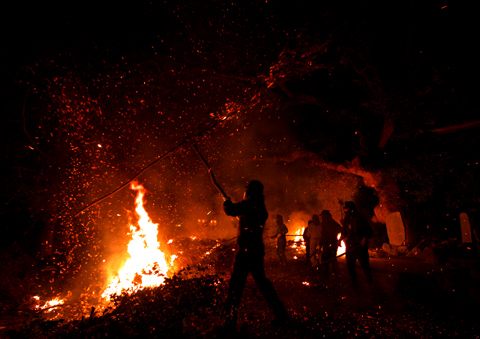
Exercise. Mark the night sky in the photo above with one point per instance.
(290, 95)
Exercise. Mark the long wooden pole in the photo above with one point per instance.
(210, 171)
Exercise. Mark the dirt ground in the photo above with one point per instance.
(406, 299)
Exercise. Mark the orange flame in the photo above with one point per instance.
(146, 266)
(49, 305)
(298, 240)
(299, 234)
(298, 244)
(342, 248)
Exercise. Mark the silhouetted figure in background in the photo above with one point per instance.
(252, 215)
(356, 231)
(330, 231)
(315, 234)
(306, 239)
(282, 230)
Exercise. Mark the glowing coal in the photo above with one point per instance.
(49, 305)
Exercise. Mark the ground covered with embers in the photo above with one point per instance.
(406, 300)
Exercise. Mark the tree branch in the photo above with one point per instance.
(456, 128)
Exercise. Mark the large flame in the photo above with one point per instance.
(147, 265)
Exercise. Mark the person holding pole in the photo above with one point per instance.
(315, 234)
(280, 234)
(249, 257)
(250, 251)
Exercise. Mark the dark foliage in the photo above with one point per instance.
(180, 308)
(402, 303)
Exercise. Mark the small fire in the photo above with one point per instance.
(299, 234)
(147, 265)
(49, 305)
(298, 243)
(298, 239)
(342, 248)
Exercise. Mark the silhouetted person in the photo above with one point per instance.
(306, 239)
(281, 231)
(356, 231)
(252, 215)
(330, 231)
(315, 233)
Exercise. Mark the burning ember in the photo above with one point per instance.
(49, 304)
(147, 265)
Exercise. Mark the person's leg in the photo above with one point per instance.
(284, 258)
(325, 261)
(364, 260)
(307, 249)
(332, 258)
(279, 253)
(282, 244)
(267, 289)
(314, 243)
(351, 259)
(235, 289)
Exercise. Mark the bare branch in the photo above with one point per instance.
(456, 128)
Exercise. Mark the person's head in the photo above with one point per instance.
(349, 207)
(254, 189)
(325, 215)
(279, 218)
(315, 219)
